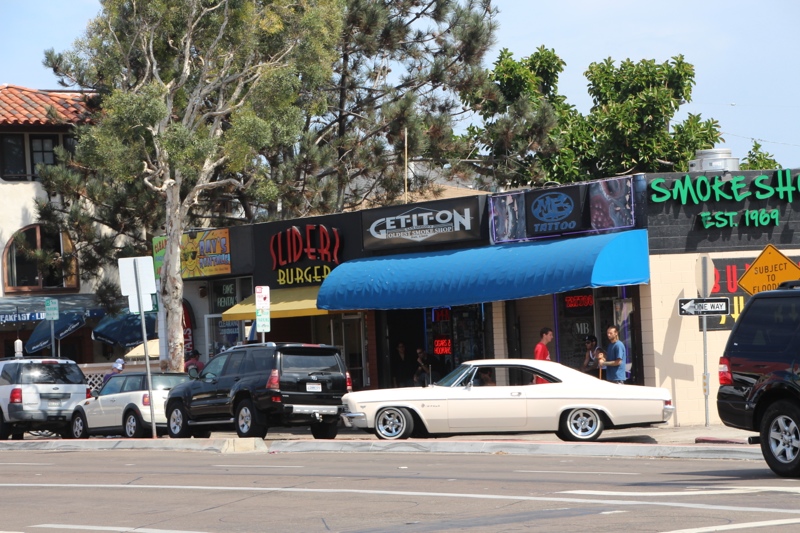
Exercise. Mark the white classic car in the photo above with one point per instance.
(508, 396)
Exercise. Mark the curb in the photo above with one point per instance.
(720, 449)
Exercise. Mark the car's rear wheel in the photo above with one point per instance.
(581, 424)
(134, 428)
(325, 430)
(780, 438)
(394, 423)
(5, 429)
(247, 425)
(177, 421)
(79, 429)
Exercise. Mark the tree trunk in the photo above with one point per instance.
(171, 280)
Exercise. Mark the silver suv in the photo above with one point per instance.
(39, 394)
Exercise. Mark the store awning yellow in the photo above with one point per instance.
(284, 303)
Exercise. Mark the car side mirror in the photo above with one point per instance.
(193, 373)
(95, 393)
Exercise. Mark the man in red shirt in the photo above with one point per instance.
(541, 352)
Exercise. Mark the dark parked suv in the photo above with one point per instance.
(256, 386)
(759, 376)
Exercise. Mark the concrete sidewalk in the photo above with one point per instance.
(692, 442)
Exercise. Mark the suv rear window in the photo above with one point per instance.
(297, 362)
(46, 373)
(771, 326)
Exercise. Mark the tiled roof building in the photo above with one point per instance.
(20, 106)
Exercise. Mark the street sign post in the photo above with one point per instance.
(770, 269)
(262, 310)
(704, 306)
(51, 314)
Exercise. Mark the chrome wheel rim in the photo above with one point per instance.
(245, 420)
(175, 421)
(130, 425)
(391, 423)
(784, 439)
(583, 423)
(77, 427)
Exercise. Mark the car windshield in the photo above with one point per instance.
(455, 377)
(51, 373)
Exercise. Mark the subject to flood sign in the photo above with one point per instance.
(770, 269)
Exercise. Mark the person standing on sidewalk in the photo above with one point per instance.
(541, 352)
(616, 357)
(591, 363)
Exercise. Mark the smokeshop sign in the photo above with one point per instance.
(732, 194)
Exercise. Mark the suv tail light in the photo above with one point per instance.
(274, 381)
(88, 392)
(725, 376)
(16, 396)
(348, 381)
(146, 399)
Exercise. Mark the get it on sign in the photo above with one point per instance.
(770, 269)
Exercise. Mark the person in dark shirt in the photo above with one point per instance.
(404, 367)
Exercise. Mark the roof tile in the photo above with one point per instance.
(23, 106)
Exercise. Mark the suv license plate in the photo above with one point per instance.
(53, 403)
(314, 387)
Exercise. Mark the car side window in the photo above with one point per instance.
(261, 360)
(8, 376)
(133, 383)
(214, 367)
(234, 366)
(112, 386)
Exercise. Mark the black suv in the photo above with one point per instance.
(759, 376)
(257, 386)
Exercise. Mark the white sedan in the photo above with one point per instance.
(508, 396)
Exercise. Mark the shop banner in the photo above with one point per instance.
(203, 253)
(555, 211)
(507, 223)
(451, 220)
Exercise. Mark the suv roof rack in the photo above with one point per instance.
(792, 284)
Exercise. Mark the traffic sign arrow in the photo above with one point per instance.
(704, 306)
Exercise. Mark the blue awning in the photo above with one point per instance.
(40, 336)
(487, 274)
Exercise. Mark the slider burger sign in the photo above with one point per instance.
(425, 223)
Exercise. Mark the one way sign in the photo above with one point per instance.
(704, 306)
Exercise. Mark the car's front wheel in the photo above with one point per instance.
(177, 421)
(79, 429)
(780, 438)
(325, 430)
(134, 428)
(247, 425)
(394, 423)
(580, 424)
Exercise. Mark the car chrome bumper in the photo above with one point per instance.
(354, 420)
(669, 410)
(311, 409)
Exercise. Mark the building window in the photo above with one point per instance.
(12, 158)
(25, 265)
(42, 147)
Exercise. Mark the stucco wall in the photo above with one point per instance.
(673, 344)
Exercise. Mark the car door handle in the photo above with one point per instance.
(516, 394)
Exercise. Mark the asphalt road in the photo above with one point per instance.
(191, 491)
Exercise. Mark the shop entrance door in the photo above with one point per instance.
(347, 332)
(220, 334)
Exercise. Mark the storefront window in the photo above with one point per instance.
(455, 333)
(224, 294)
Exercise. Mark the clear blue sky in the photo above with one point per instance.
(745, 53)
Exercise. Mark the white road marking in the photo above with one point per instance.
(582, 472)
(26, 464)
(112, 528)
(256, 466)
(687, 492)
(500, 497)
(731, 527)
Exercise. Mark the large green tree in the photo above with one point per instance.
(630, 128)
(399, 69)
(188, 93)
